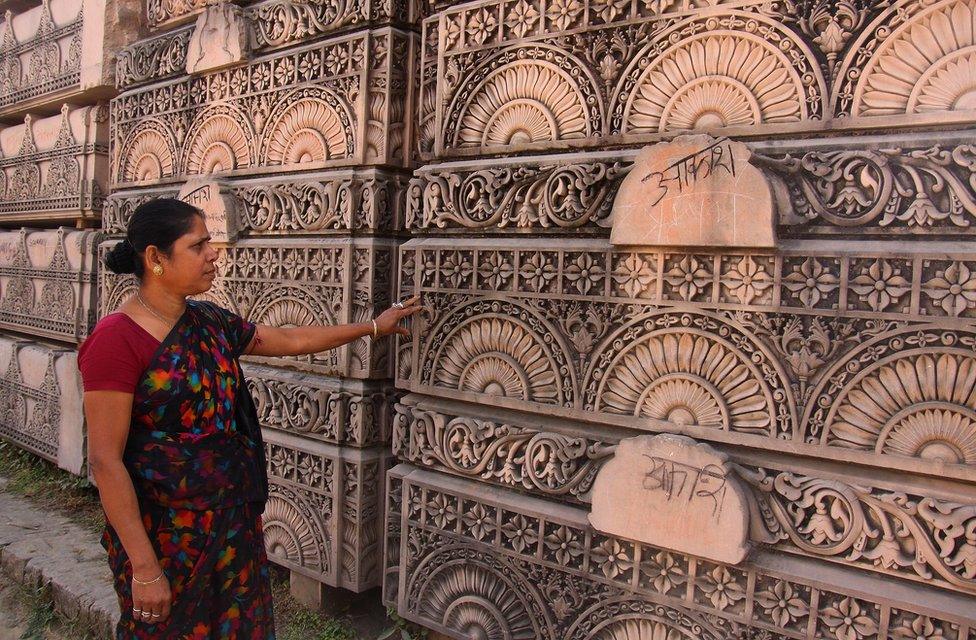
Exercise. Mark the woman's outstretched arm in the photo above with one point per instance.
(297, 341)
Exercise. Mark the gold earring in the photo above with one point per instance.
(158, 269)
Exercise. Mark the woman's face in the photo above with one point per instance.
(189, 269)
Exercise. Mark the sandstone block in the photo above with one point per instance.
(673, 492)
(41, 402)
(48, 282)
(694, 191)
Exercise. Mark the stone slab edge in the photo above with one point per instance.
(39, 548)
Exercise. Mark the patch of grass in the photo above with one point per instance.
(51, 488)
(295, 621)
(401, 629)
(34, 608)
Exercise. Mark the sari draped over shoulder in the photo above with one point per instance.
(196, 459)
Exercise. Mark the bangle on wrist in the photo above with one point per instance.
(375, 329)
(156, 579)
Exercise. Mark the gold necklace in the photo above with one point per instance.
(152, 311)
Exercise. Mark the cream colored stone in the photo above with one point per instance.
(219, 208)
(219, 39)
(40, 402)
(671, 491)
(694, 191)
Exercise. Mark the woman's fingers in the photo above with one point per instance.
(408, 311)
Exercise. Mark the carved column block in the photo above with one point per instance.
(500, 76)
(333, 203)
(280, 22)
(560, 461)
(61, 49)
(323, 517)
(48, 282)
(335, 103)
(55, 169)
(298, 283)
(40, 402)
(341, 412)
(473, 562)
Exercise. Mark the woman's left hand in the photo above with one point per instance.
(389, 321)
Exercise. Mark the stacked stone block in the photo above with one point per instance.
(294, 117)
(825, 372)
(56, 74)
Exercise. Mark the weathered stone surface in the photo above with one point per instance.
(218, 205)
(55, 169)
(670, 491)
(48, 282)
(59, 50)
(40, 402)
(324, 512)
(694, 191)
(469, 561)
(39, 548)
(219, 39)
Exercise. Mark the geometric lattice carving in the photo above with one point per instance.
(323, 518)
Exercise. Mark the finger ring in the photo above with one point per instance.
(157, 615)
(137, 611)
(397, 305)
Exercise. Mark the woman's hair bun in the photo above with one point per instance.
(122, 258)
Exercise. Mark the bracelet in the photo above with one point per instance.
(156, 579)
(375, 328)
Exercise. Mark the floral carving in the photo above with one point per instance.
(687, 378)
(524, 103)
(714, 81)
(498, 356)
(218, 141)
(918, 189)
(550, 463)
(880, 284)
(921, 66)
(475, 598)
(148, 155)
(554, 196)
(847, 619)
(913, 406)
(953, 288)
(811, 282)
(311, 129)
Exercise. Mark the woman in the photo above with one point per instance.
(173, 441)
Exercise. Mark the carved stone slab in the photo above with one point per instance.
(219, 208)
(219, 39)
(48, 282)
(324, 513)
(40, 402)
(56, 168)
(673, 492)
(694, 191)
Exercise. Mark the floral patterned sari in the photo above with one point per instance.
(196, 459)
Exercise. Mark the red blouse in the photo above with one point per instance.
(116, 354)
